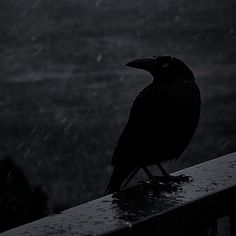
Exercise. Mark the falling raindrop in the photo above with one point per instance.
(99, 57)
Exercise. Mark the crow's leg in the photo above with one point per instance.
(148, 173)
(170, 178)
(160, 185)
(130, 177)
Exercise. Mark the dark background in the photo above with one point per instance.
(65, 94)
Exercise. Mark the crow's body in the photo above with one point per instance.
(162, 119)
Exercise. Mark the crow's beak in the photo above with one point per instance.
(144, 63)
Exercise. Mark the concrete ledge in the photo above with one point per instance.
(142, 210)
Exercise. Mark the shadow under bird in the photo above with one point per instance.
(162, 121)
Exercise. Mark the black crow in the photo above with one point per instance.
(161, 123)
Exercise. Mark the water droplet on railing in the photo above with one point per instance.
(129, 224)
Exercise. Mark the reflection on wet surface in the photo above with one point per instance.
(142, 201)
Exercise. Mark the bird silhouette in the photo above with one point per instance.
(162, 121)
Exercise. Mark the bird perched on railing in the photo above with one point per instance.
(161, 123)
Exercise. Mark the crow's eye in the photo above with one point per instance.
(164, 65)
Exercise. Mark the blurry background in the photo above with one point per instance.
(65, 94)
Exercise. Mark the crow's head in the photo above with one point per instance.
(164, 68)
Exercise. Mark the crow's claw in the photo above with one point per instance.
(173, 179)
(181, 178)
(161, 186)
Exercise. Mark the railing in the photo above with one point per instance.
(141, 210)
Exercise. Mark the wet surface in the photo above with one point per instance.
(212, 183)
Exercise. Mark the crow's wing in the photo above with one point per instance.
(146, 115)
(161, 124)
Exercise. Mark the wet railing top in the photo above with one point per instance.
(141, 209)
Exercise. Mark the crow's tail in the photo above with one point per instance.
(119, 175)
